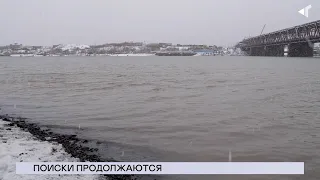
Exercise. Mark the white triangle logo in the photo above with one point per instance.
(301, 11)
(305, 11)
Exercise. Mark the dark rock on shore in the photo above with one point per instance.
(6, 119)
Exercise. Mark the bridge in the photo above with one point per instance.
(296, 41)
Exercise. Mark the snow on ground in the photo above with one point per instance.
(20, 146)
(72, 46)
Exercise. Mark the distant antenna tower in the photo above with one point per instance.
(262, 29)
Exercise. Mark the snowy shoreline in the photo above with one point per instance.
(83, 55)
(21, 141)
(20, 146)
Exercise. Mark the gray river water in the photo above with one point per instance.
(175, 108)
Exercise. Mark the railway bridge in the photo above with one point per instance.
(296, 41)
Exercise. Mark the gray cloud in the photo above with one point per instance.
(221, 22)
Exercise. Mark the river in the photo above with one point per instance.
(175, 108)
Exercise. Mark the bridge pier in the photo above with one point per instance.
(286, 50)
(258, 51)
(272, 50)
(275, 50)
(304, 49)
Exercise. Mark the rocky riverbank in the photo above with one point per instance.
(70, 144)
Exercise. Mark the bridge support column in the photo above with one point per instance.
(258, 51)
(304, 49)
(264, 51)
(246, 51)
(286, 50)
(274, 50)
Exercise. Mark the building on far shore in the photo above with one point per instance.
(20, 50)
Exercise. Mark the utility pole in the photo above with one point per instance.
(262, 29)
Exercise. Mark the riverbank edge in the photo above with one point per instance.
(70, 143)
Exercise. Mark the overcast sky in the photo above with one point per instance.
(220, 22)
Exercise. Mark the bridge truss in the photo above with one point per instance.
(309, 32)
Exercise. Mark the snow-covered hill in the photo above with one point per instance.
(72, 46)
